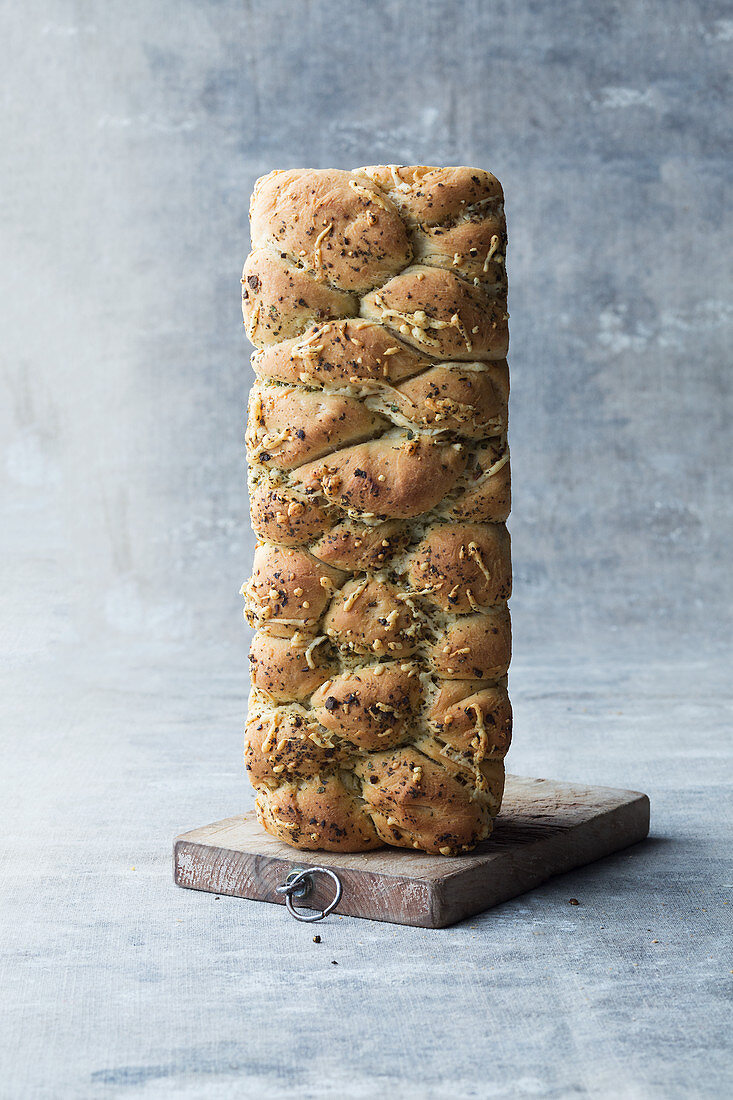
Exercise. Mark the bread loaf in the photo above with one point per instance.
(379, 486)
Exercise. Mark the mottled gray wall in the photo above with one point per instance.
(133, 132)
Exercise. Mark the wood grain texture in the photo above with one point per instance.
(545, 828)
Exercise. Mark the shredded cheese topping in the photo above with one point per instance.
(418, 323)
(494, 244)
(399, 183)
(368, 195)
(309, 650)
(475, 553)
(317, 254)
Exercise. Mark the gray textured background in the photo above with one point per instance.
(132, 132)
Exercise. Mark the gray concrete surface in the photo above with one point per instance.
(118, 984)
(131, 135)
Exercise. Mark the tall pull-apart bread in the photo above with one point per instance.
(379, 482)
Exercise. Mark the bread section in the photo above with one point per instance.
(379, 485)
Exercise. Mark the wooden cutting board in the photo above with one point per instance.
(544, 829)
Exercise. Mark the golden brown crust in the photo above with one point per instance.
(289, 668)
(336, 225)
(440, 314)
(379, 483)
(474, 647)
(469, 400)
(415, 802)
(283, 514)
(463, 567)
(280, 745)
(356, 547)
(395, 477)
(473, 718)
(287, 427)
(340, 353)
(288, 587)
(371, 707)
(450, 692)
(485, 494)
(372, 616)
(280, 301)
(482, 779)
(473, 249)
(319, 813)
(433, 196)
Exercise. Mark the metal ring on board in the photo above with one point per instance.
(299, 884)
